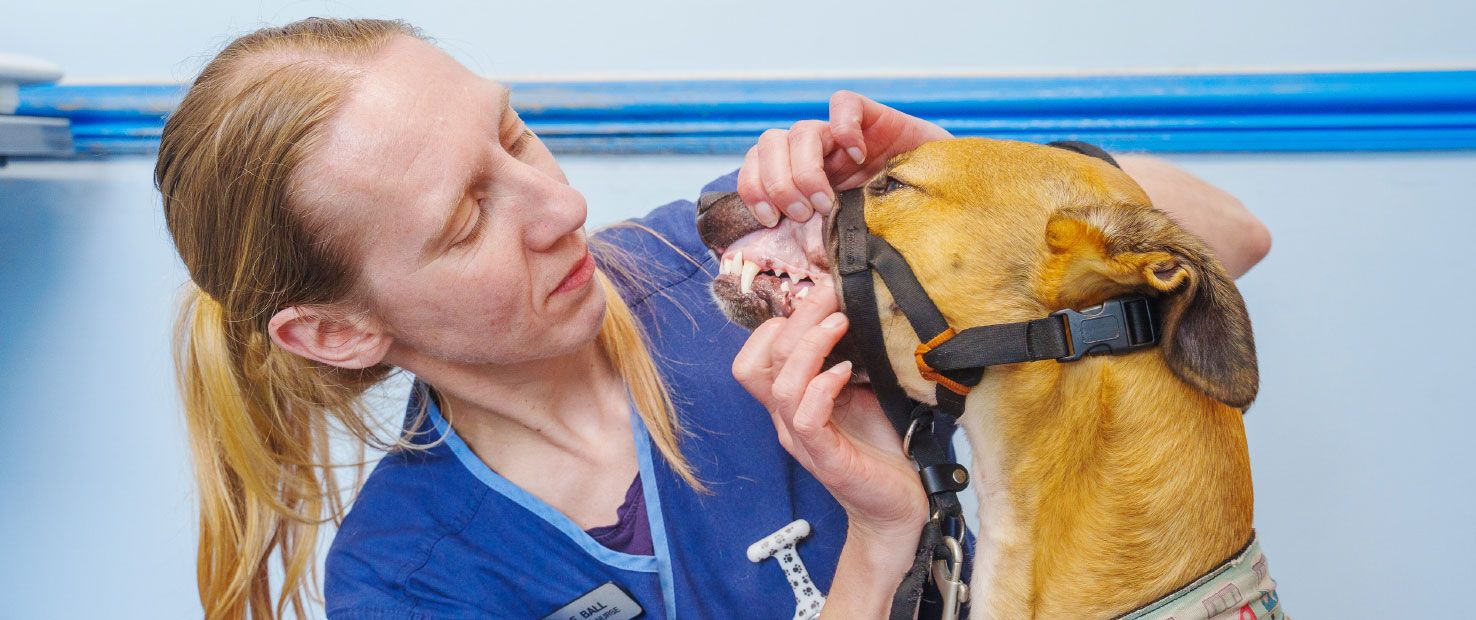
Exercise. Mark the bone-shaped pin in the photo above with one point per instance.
(780, 544)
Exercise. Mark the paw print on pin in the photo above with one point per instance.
(808, 601)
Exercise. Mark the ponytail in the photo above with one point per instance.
(259, 438)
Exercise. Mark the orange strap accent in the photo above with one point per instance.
(933, 375)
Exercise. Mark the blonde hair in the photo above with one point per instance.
(261, 419)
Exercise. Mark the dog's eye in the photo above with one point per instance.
(885, 185)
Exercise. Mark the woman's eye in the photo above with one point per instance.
(521, 143)
(476, 228)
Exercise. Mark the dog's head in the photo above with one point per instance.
(999, 232)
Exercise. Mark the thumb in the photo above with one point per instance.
(829, 451)
(847, 111)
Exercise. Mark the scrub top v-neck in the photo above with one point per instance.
(435, 533)
(639, 567)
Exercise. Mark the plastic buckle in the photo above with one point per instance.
(1117, 325)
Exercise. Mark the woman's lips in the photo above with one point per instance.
(579, 276)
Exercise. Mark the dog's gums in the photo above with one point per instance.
(765, 273)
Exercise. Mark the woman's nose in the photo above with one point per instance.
(558, 210)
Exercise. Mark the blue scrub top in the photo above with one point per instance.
(438, 534)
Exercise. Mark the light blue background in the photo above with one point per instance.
(1360, 439)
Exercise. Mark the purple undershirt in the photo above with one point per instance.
(631, 532)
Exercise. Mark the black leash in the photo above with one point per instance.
(955, 360)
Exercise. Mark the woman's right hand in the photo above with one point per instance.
(798, 170)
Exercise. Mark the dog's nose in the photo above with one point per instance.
(707, 199)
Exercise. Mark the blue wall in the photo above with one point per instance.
(1359, 440)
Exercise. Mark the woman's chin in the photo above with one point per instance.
(584, 320)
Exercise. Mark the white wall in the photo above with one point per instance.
(171, 38)
(1359, 440)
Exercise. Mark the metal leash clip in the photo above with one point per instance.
(948, 576)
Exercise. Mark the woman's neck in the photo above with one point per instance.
(566, 402)
(559, 428)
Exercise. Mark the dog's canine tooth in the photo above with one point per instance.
(802, 292)
(784, 286)
(750, 269)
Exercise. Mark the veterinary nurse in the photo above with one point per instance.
(349, 201)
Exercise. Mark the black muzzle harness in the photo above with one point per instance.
(955, 360)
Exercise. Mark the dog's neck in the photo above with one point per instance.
(1104, 484)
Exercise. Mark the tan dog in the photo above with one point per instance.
(1107, 483)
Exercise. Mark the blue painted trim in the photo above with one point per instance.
(651, 491)
(1267, 112)
(539, 508)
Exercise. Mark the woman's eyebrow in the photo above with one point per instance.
(450, 219)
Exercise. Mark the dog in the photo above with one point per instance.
(1113, 486)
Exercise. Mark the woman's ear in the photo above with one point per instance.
(1100, 252)
(348, 344)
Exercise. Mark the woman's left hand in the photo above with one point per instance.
(837, 432)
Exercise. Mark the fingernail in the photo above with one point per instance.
(834, 320)
(765, 214)
(821, 202)
(843, 368)
(856, 155)
(797, 211)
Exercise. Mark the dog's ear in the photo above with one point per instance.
(1100, 252)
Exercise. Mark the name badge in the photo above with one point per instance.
(607, 602)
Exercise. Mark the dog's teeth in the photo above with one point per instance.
(779, 272)
(784, 286)
(750, 269)
(723, 266)
(802, 292)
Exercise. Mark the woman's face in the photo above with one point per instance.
(469, 239)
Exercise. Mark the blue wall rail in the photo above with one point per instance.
(1262, 112)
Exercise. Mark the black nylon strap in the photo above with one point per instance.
(926, 320)
(1006, 343)
(920, 310)
(860, 299)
